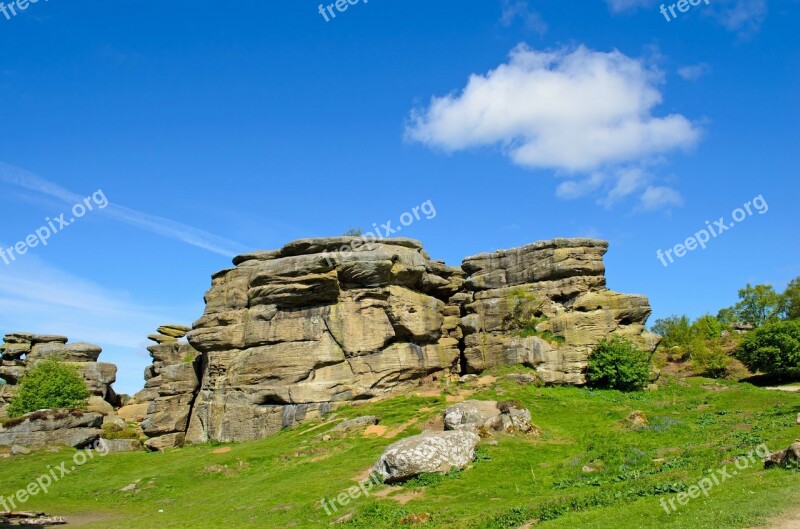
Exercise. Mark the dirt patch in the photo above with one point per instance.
(376, 429)
(790, 389)
(406, 497)
(223, 450)
(787, 521)
(82, 519)
(391, 434)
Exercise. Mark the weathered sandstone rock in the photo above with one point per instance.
(427, 452)
(52, 427)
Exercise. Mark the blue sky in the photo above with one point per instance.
(216, 127)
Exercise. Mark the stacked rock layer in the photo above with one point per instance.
(288, 333)
(171, 384)
(21, 351)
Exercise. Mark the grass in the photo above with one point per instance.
(696, 426)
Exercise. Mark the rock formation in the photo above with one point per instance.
(20, 351)
(546, 305)
(289, 334)
(171, 383)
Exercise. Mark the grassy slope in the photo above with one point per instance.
(695, 426)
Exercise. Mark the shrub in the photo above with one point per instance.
(50, 384)
(773, 348)
(710, 360)
(616, 363)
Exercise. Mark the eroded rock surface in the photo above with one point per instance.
(546, 306)
(427, 452)
(286, 334)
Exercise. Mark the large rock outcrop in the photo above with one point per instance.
(20, 351)
(546, 305)
(288, 333)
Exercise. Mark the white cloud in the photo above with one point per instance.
(694, 72)
(618, 6)
(744, 17)
(572, 111)
(659, 197)
(519, 9)
(152, 223)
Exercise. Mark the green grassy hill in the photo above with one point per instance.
(696, 426)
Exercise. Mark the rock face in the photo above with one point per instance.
(288, 333)
(52, 427)
(21, 351)
(546, 306)
(171, 384)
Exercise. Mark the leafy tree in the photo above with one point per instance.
(773, 348)
(726, 316)
(616, 363)
(676, 330)
(757, 305)
(49, 384)
(708, 327)
(790, 300)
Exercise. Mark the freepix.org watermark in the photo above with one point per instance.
(340, 6)
(720, 475)
(53, 226)
(43, 483)
(13, 8)
(702, 237)
(365, 240)
(682, 5)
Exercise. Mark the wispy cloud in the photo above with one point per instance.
(144, 221)
(41, 298)
(520, 10)
(694, 72)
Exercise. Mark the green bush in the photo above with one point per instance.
(676, 330)
(50, 384)
(616, 363)
(773, 348)
(709, 359)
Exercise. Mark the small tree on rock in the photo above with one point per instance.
(49, 384)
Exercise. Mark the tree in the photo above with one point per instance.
(772, 348)
(790, 300)
(616, 363)
(757, 305)
(353, 232)
(49, 384)
(676, 330)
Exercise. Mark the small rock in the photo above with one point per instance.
(129, 488)
(798, 418)
(637, 420)
(652, 387)
(524, 378)
(18, 450)
(588, 469)
(355, 424)
(326, 438)
(469, 378)
(414, 519)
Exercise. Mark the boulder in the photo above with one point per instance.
(789, 458)
(487, 416)
(74, 352)
(122, 445)
(52, 427)
(426, 452)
